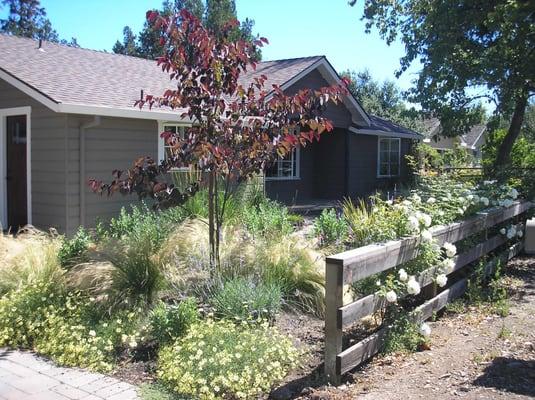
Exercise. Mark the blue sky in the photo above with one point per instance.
(294, 28)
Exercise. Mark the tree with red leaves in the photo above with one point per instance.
(236, 133)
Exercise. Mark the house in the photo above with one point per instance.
(472, 141)
(67, 115)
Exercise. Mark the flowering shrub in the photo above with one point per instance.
(64, 326)
(223, 360)
(268, 218)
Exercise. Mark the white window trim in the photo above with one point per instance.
(161, 141)
(379, 138)
(297, 175)
(7, 112)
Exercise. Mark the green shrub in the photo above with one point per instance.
(168, 322)
(269, 218)
(376, 223)
(74, 251)
(402, 333)
(329, 228)
(224, 360)
(243, 299)
(64, 326)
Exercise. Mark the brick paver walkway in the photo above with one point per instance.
(25, 376)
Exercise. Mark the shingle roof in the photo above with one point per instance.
(384, 125)
(81, 76)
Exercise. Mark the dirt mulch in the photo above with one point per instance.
(475, 355)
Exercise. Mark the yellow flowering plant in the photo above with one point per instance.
(220, 359)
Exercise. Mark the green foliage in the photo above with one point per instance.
(63, 326)
(221, 360)
(168, 322)
(27, 18)
(376, 223)
(243, 299)
(462, 49)
(402, 333)
(329, 228)
(74, 251)
(268, 219)
(383, 99)
(137, 275)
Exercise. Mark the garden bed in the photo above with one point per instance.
(138, 298)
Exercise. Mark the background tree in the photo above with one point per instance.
(128, 46)
(215, 15)
(383, 99)
(469, 50)
(27, 18)
(237, 131)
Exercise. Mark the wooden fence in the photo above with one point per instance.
(353, 265)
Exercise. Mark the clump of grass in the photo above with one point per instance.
(74, 251)
(244, 299)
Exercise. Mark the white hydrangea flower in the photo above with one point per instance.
(503, 231)
(431, 200)
(403, 275)
(416, 198)
(391, 296)
(475, 199)
(447, 265)
(442, 279)
(426, 235)
(92, 333)
(426, 219)
(511, 232)
(425, 329)
(520, 234)
(378, 283)
(413, 287)
(513, 193)
(414, 223)
(450, 249)
(484, 200)
(507, 203)
(500, 203)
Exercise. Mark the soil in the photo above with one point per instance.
(473, 355)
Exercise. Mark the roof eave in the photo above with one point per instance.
(377, 132)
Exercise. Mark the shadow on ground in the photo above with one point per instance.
(509, 375)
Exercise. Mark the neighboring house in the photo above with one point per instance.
(472, 141)
(68, 115)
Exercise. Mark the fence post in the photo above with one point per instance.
(334, 299)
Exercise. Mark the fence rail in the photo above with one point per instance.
(354, 265)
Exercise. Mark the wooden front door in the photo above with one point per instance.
(17, 215)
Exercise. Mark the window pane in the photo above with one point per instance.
(394, 145)
(273, 170)
(383, 156)
(383, 145)
(394, 157)
(383, 169)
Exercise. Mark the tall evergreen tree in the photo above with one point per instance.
(128, 46)
(214, 15)
(27, 18)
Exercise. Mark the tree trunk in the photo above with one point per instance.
(211, 220)
(504, 151)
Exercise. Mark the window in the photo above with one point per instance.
(165, 150)
(389, 157)
(286, 167)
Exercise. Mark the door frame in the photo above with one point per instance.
(8, 112)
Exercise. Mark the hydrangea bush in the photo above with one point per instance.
(220, 359)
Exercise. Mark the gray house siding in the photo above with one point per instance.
(49, 164)
(362, 170)
(114, 144)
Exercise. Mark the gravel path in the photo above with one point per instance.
(25, 376)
